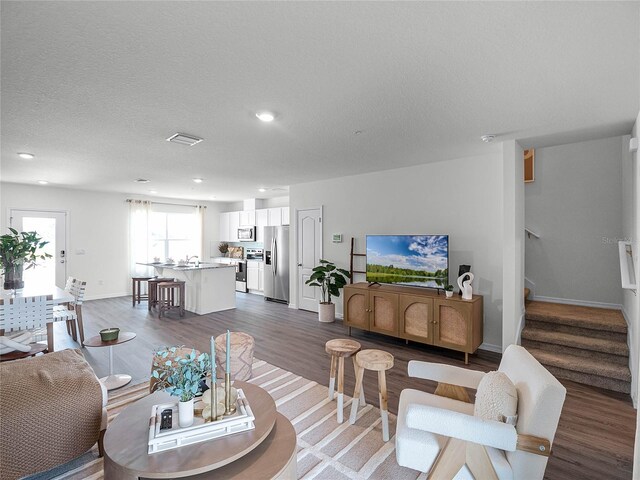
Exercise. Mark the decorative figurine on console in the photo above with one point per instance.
(465, 285)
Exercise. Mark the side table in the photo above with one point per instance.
(113, 380)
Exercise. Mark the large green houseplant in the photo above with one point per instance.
(19, 251)
(330, 279)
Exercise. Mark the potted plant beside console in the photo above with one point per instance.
(18, 252)
(330, 279)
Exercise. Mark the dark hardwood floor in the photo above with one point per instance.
(594, 439)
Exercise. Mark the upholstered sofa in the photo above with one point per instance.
(52, 410)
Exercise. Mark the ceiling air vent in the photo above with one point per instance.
(184, 139)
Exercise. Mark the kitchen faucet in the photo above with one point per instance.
(197, 263)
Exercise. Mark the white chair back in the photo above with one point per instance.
(540, 400)
(25, 313)
(76, 288)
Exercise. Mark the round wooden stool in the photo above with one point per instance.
(136, 289)
(168, 293)
(152, 284)
(339, 349)
(377, 361)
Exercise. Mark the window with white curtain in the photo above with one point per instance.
(164, 231)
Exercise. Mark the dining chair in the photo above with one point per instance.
(72, 312)
(25, 314)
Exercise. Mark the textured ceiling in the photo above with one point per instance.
(94, 88)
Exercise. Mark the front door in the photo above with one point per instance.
(52, 227)
(309, 224)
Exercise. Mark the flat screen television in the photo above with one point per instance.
(416, 260)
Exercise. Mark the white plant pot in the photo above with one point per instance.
(185, 413)
(327, 312)
(448, 293)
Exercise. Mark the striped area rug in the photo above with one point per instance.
(326, 449)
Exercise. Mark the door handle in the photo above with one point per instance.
(299, 264)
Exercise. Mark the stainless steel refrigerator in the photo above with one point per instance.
(276, 263)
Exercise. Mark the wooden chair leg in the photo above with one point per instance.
(340, 406)
(479, 463)
(80, 324)
(451, 459)
(332, 376)
(133, 292)
(384, 409)
(71, 325)
(50, 336)
(356, 395)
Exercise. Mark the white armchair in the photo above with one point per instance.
(437, 433)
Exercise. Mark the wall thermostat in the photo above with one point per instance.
(336, 238)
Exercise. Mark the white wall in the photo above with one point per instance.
(575, 204)
(96, 223)
(460, 197)
(513, 243)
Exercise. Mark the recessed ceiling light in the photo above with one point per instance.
(198, 180)
(488, 138)
(153, 192)
(26, 156)
(265, 116)
(141, 180)
(42, 182)
(262, 190)
(184, 139)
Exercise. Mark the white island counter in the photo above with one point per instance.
(210, 287)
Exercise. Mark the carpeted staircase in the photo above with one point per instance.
(584, 344)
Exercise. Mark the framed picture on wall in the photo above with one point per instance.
(529, 165)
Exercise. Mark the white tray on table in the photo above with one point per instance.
(159, 441)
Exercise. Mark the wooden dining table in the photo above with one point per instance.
(58, 294)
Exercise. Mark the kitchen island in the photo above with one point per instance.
(210, 287)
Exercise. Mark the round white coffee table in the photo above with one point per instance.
(113, 380)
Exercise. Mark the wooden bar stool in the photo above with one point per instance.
(377, 361)
(136, 289)
(152, 285)
(168, 294)
(339, 349)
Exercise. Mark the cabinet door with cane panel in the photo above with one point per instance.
(383, 313)
(416, 318)
(356, 308)
(452, 325)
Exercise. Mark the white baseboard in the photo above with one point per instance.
(339, 316)
(581, 303)
(106, 295)
(490, 348)
(293, 305)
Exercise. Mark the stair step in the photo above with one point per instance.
(590, 367)
(613, 347)
(584, 332)
(578, 352)
(604, 319)
(592, 380)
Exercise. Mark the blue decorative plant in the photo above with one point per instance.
(180, 375)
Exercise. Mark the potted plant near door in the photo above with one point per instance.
(180, 376)
(19, 251)
(330, 279)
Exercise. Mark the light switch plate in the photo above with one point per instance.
(336, 238)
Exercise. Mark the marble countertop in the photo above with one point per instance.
(191, 266)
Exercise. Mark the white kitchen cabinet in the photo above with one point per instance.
(234, 224)
(262, 220)
(255, 271)
(247, 218)
(285, 215)
(224, 227)
(261, 277)
(275, 217)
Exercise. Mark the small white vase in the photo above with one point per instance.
(448, 293)
(185, 413)
(327, 312)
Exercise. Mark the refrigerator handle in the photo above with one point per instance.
(275, 257)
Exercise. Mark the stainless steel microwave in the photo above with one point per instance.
(247, 234)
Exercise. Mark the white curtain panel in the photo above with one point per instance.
(139, 212)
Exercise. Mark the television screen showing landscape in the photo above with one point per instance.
(418, 260)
